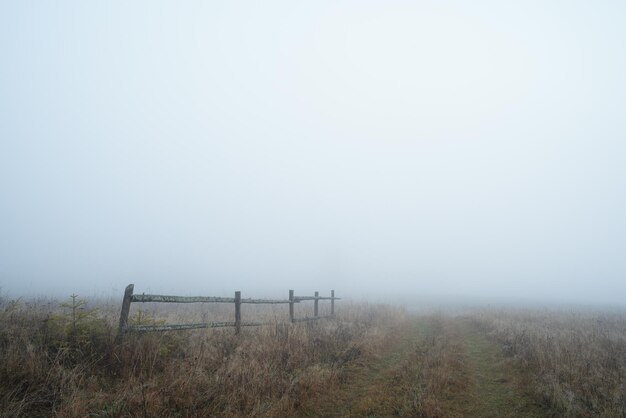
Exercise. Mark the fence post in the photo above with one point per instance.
(237, 312)
(315, 308)
(332, 303)
(291, 305)
(128, 294)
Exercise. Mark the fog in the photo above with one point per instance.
(428, 149)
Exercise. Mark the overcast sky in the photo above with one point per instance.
(430, 148)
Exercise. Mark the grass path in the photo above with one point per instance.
(493, 393)
(438, 367)
(374, 388)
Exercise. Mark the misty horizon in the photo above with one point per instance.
(447, 150)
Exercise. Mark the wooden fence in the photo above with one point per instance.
(130, 297)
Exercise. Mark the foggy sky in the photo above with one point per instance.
(394, 147)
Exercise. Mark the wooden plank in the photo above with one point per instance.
(303, 298)
(202, 299)
(266, 301)
(180, 299)
(180, 327)
(128, 295)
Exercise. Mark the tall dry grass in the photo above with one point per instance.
(55, 362)
(442, 374)
(571, 362)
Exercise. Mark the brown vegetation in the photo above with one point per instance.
(443, 372)
(573, 363)
(61, 360)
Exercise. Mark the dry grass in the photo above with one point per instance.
(443, 372)
(370, 360)
(573, 363)
(52, 365)
(414, 375)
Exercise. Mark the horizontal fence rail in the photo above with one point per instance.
(130, 297)
(202, 299)
(302, 298)
(177, 327)
(309, 318)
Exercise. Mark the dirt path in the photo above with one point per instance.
(438, 367)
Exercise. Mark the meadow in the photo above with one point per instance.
(572, 361)
(59, 358)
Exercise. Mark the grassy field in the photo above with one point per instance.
(60, 359)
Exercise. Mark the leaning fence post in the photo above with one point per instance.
(237, 312)
(128, 295)
(291, 305)
(332, 302)
(315, 307)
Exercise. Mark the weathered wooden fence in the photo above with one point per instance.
(130, 297)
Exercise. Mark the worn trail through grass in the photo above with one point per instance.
(493, 392)
(438, 367)
(372, 388)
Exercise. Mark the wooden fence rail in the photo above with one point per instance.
(130, 297)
